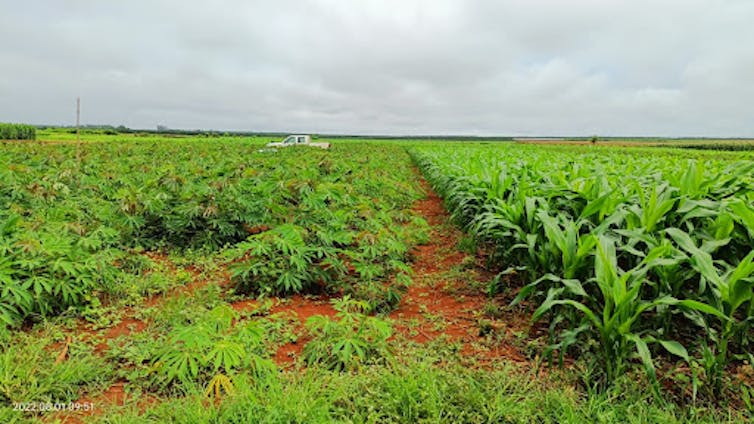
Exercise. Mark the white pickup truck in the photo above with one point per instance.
(298, 140)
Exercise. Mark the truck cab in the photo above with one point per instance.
(296, 139)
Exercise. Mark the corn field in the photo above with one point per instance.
(628, 258)
(17, 132)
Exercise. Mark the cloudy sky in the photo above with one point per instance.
(505, 67)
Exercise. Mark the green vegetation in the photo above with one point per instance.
(171, 278)
(732, 147)
(17, 132)
(29, 373)
(352, 340)
(64, 227)
(418, 391)
(629, 256)
(208, 351)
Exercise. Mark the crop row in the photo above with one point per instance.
(17, 132)
(626, 256)
(292, 221)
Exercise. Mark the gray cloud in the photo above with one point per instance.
(618, 67)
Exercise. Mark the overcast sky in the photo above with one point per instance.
(529, 67)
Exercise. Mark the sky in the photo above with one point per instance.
(413, 67)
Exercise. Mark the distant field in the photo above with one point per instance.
(90, 135)
(641, 141)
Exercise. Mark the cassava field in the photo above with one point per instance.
(197, 279)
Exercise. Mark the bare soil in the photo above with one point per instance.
(438, 306)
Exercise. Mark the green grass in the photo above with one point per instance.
(418, 391)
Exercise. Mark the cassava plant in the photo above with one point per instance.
(351, 340)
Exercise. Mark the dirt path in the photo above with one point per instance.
(444, 302)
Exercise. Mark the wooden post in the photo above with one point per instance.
(78, 116)
(78, 133)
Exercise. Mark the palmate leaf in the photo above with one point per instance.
(194, 337)
(15, 293)
(182, 365)
(288, 282)
(226, 354)
(219, 384)
(345, 349)
(9, 224)
(221, 317)
(381, 329)
(9, 314)
(6, 271)
(250, 333)
(262, 368)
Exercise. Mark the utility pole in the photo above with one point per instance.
(78, 118)
(78, 132)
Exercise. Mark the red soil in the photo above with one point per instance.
(301, 308)
(437, 307)
(304, 307)
(129, 324)
(126, 327)
(195, 284)
(287, 354)
(115, 395)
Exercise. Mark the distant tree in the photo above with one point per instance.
(594, 139)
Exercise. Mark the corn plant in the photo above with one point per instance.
(731, 290)
(613, 314)
(17, 132)
(621, 249)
